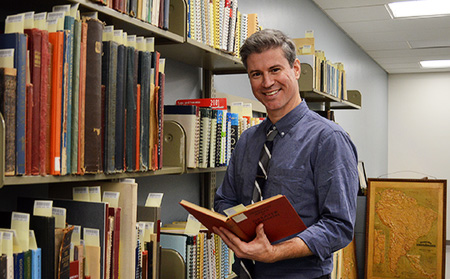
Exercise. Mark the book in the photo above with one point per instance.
(57, 41)
(213, 103)
(144, 81)
(36, 263)
(130, 108)
(81, 103)
(44, 230)
(109, 80)
(276, 213)
(120, 108)
(204, 136)
(8, 87)
(18, 42)
(45, 104)
(93, 109)
(35, 56)
(75, 96)
(188, 117)
(115, 212)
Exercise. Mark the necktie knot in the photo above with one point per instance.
(273, 132)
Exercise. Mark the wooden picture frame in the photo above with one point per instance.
(405, 228)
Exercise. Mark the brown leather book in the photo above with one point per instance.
(93, 108)
(34, 48)
(8, 110)
(44, 104)
(81, 102)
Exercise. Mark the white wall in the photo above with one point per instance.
(418, 127)
(294, 17)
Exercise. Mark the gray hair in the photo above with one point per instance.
(268, 39)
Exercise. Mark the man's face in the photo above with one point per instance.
(274, 82)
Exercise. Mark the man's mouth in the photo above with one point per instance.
(271, 93)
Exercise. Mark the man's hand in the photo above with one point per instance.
(260, 249)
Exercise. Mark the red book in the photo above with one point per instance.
(279, 217)
(44, 103)
(35, 50)
(81, 102)
(138, 126)
(74, 270)
(214, 103)
(57, 41)
(115, 211)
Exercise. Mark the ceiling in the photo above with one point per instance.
(397, 45)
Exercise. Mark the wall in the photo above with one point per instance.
(418, 127)
(368, 126)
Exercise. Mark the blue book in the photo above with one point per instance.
(69, 25)
(19, 265)
(18, 41)
(144, 81)
(120, 107)
(36, 262)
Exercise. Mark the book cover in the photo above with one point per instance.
(44, 103)
(36, 263)
(144, 81)
(138, 127)
(130, 105)
(18, 41)
(28, 128)
(19, 265)
(205, 136)
(57, 41)
(120, 108)
(64, 254)
(8, 87)
(27, 264)
(35, 56)
(44, 230)
(74, 269)
(75, 97)
(81, 102)
(187, 116)
(92, 155)
(109, 80)
(276, 213)
(162, 81)
(115, 212)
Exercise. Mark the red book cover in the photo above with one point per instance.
(44, 104)
(74, 270)
(57, 41)
(81, 103)
(138, 125)
(115, 211)
(35, 50)
(279, 217)
(214, 103)
(49, 106)
(28, 131)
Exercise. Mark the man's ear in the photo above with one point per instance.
(297, 68)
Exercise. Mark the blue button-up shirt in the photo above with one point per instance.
(314, 164)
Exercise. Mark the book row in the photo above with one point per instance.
(220, 24)
(155, 12)
(82, 99)
(211, 130)
(328, 77)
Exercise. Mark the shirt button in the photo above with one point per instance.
(282, 134)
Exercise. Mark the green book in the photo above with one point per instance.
(75, 96)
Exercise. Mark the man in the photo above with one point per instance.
(313, 163)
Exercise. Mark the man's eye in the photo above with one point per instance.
(276, 70)
(255, 75)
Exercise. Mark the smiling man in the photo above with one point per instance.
(312, 162)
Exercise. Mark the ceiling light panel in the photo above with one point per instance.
(424, 8)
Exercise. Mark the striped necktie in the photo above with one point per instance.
(261, 175)
(247, 266)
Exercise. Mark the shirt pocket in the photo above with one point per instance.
(288, 182)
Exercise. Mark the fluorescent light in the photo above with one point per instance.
(435, 64)
(421, 8)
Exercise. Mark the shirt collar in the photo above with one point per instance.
(288, 121)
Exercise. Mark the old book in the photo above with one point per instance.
(28, 126)
(44, 109)
(18, 41)
(57, 41)
(92, 155)
(35, 56)
(8, 86)
(130, 106)
(81, 103)
(75, 97)
(276, 213)
(109, 80)
(162, 81)
(144, 81)
(120, 108)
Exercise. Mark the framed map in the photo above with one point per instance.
(405, 233)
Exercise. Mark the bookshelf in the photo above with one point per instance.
(312, 95)
(172, 44)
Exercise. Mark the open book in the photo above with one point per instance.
(279, 218)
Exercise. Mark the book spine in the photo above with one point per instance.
(20, 55)
(144, 80)
(75, 97)
(28, 132)
(44, 104)
(162, 80)
(93, 107)
(8, 109)
(81, 103)
(120, 109)
(36, 262)
(130, 140)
